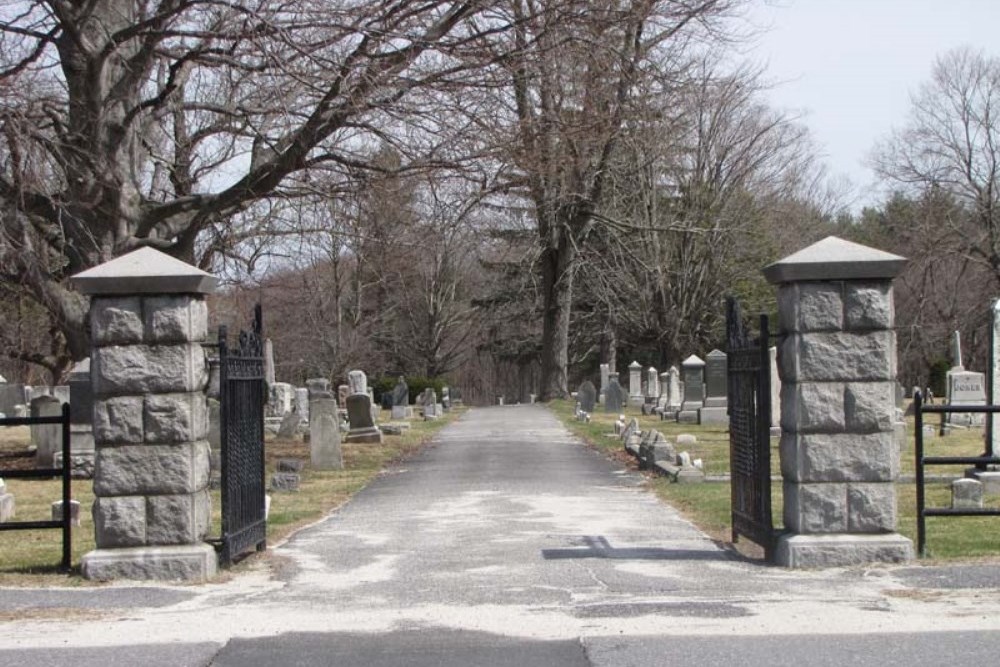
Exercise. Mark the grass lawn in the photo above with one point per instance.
(708, 504)
(31, 558)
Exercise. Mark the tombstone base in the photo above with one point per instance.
(402, 412)
(806, 551)
(636, 401)
(713, 415)
(990, 479)
(370, 435)
(687, 416)
(186, 562)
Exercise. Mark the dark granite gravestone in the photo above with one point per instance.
(401, 392)
(614, 397)
(716, 379)
(359, 415)
(586, 395)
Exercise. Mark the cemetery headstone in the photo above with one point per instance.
(716, 390)
(431, 409)
(56, 513)
(635, 383)
(586, 396)
(7, 505)
(966, 494)
(302, 402)
(675, 397)
(400, 398)
(693, 371)
(359, 410)
(966, 388)
(343, 391)
(614, 398)
(317, 386)
(268, 362)
(81, 417)
(605, 369)
(652, 385)
(324, 435)
(289, 425)
(47, 438)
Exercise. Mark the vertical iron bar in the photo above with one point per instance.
(224, 400)
(918, 425)
(764, 434)
(67, 517)
(262, 397)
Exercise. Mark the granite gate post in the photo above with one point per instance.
(148, 319)
(837, 364)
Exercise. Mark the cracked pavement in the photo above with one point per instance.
(507, 541)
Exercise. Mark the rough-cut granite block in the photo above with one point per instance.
(871, 508)
(868, 306)
(120, 521)
(175, 319)
(118, 420)
(151, 469)
(142, 369)
(839, 457)
(838, 356)
(812, 407)
(815, 306)
(116, 320)
(815, 508)
(870, 406)
(172, 418)
(177, 519)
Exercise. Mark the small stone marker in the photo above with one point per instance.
(74, 512)
(285, 481)
(7, 505)
(400, 399)
(47, 438)
(431, 409)
(302, 402)
(966, 494)
(586, 395)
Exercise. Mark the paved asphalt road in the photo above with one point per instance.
(507, 542)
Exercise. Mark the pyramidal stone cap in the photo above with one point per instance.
(835, 259)
(145, 271)
(692, 361)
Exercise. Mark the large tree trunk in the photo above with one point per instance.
(557, 288)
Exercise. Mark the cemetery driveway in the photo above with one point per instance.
(508, 542)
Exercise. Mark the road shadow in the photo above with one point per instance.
(599, 547)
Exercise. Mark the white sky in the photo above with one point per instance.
(850, 65)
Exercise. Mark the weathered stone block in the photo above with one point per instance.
(152, 469)
(966, 494)
(870, 406)
(815, 508)
(118, 420)
(189, 562)
(177, 519)
(839, 457)
(839, 356)
(811, 306)
(172, 418)
(120, 521)
(812, 407)
(141, 369)
(871, 508)
(176, 318)
(116, 320)
(807, 551)
(868, 306)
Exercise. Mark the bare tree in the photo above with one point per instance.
(952, 142)
(127, 123)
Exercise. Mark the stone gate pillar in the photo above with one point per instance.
(152, 509)
(837, 364)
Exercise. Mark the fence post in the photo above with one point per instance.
(148, 321)
(837, 364)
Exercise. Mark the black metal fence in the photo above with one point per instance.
(242, 394)
(749, 401)
(987, 458)
(47, 473)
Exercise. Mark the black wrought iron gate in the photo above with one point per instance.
(241, 415)
(749, 399)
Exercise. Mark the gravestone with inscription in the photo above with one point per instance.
(586, 396)
(693, 373)
(716, 390)
(966, 388)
